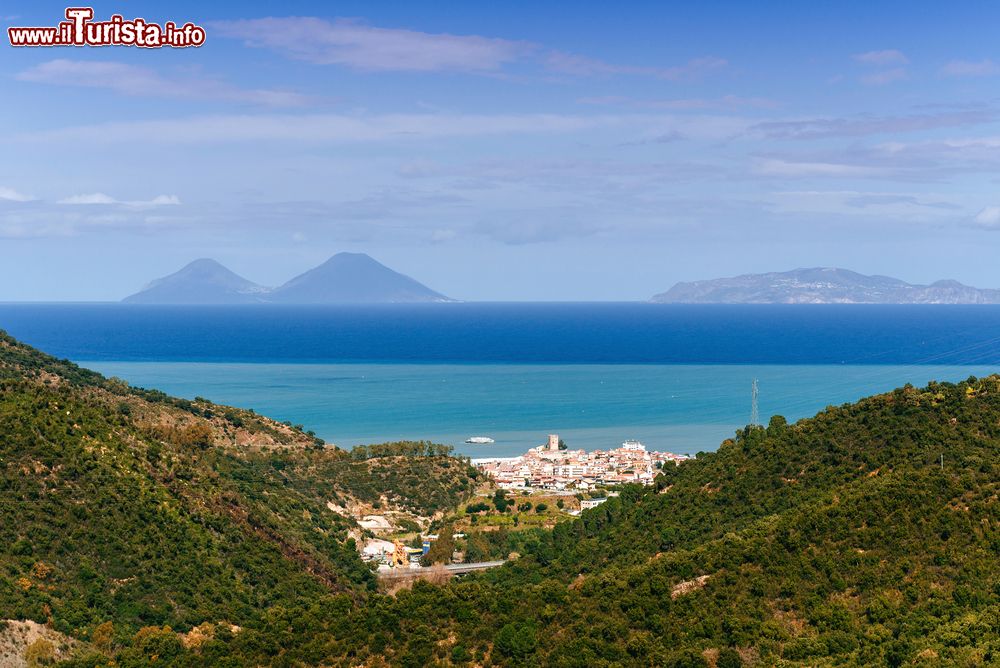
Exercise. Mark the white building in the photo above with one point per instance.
(376, 548)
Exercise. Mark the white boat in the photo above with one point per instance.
(479, 440)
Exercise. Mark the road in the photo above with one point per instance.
(449, 569)
(475, 566)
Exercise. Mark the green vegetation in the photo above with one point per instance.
(118, 513)
(420, 482)
(441, 549)
(839, 540)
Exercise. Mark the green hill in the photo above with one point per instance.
(865, 536)
(840, 540)
(127, 506)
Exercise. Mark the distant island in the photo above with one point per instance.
(824, 285)
(346, 278)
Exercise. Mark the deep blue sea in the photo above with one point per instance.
(676, 377)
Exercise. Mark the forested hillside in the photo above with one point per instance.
(867, 535)
(125, 506)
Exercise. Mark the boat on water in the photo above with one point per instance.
(480, 440)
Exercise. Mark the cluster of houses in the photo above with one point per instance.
(549, 467)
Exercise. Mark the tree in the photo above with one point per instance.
(517, 640)
(441, 549)
(728, 658)
(777, 425)
(500, 500)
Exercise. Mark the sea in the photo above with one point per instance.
(678, 378)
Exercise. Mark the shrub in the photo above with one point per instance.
(40, 653)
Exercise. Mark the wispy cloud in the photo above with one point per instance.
(789, 168)
(891, 63)
(339, 128)
(518, 228)
(364, 47)
(968, 68)
(885, 77)
(866, 200)
(988, 217)
(103, 199)
(136, 81)
(884, 207)
(357, 45)
(577, 65)
(11, 195)
(683, 104)
(47, 219)
(860, 126)
(882, 58)
(937, 160)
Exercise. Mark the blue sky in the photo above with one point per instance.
(536, 151)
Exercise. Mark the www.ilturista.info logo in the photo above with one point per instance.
(81, 30)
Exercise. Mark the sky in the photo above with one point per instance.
(505, 151)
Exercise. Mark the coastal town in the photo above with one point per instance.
(552, 466)
(544, 483)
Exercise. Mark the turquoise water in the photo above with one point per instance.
(677, 377)
(680, 408)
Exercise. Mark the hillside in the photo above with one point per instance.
(203, 281)
(822, 286)
(129, 507)
(839, 540)
(844, 539)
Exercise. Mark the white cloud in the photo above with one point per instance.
(136, 81)
(988, 217)
(796, 169)
(11, 195)
(103, 199)
(92, 198)
(168, 200)
(883, 57)
(354, 44)
(966, 68)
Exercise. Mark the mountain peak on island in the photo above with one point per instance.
(353, 278)
(345, 278)
(203, 281)
(822, 285)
